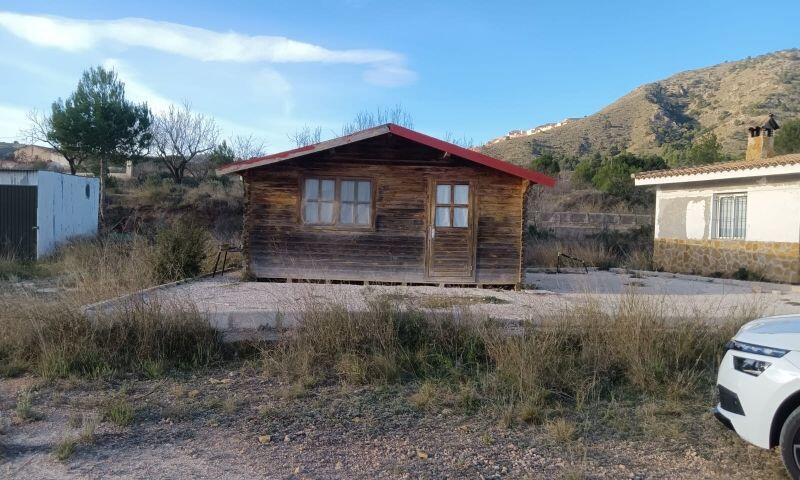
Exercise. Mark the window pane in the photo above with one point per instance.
(741, 216)
(326, 192)
(364, 193)
(326, 212)
(348, 193)
(443, 195)
(460, 216)
(442, 216)
(346, 213)
(311, 190)
(363, 214)
(310, 212)
(461, 194)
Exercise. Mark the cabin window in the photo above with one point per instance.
(452, 205)
(355, 198)
(345, 202)
(731, 215)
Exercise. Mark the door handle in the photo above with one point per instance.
(433, 233)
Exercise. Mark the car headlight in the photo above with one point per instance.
(750, 366)
(755, 349)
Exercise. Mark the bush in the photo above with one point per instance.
(547, 164)
(787, 138)
(180, 251)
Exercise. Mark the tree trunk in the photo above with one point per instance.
(102, 194)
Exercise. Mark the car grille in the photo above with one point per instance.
(729, 401)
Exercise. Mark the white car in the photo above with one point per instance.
(759, 386)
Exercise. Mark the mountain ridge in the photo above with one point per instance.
(723, 99)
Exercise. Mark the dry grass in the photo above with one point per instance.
(544, 253)
(581, 357)
(50, 335)
(55, 339)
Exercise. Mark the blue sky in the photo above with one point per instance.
(472, 68)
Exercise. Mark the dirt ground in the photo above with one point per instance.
(240, 424)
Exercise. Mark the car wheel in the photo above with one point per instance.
(790, 444)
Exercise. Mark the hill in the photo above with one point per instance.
(723, 99)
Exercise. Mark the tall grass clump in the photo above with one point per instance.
(55, 339)
(92, 270)
(577, 356)
(591, 352)
(380, 344)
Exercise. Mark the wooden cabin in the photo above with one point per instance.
(384, 205)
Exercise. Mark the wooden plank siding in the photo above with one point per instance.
(278, 245)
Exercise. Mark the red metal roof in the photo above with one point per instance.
(403, 132)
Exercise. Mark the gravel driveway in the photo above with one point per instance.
(240, 307)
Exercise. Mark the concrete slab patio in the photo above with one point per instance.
(239, 307)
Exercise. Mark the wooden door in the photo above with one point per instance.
(451, 231)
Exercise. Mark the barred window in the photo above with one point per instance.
(731, 215)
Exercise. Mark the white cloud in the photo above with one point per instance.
(270, 85)
(13, 120)
(136, 90)
(386, 67)
(390, 75)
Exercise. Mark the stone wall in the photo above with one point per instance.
(776, 261)
(581, 224)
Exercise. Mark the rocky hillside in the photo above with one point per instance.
(724, 99)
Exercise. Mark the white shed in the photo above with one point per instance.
(41, 209)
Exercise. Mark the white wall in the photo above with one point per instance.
(18, 177)
(64, 210)
(773, 210)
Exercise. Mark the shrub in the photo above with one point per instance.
(180, 251)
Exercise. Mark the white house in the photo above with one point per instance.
(41, 209)
(719, 218)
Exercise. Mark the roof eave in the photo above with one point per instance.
(406, 133)
(722, 175)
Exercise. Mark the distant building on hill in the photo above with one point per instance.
(19, 155)
(735, 216)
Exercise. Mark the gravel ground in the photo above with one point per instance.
(239, 307)
(239, 425)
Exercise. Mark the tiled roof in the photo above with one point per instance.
(779, 161)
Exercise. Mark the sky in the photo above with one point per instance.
(472, 69)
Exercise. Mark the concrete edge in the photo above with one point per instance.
(562, 269)
(755, 286)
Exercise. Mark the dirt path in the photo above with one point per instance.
(239, 424)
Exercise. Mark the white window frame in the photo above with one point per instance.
(717, 217)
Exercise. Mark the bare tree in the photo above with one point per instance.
(367, 119)
(306, 136)
(249, 146)
(181, 136)
(40, 131)
(464, 141)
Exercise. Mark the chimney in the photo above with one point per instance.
(760, 142)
